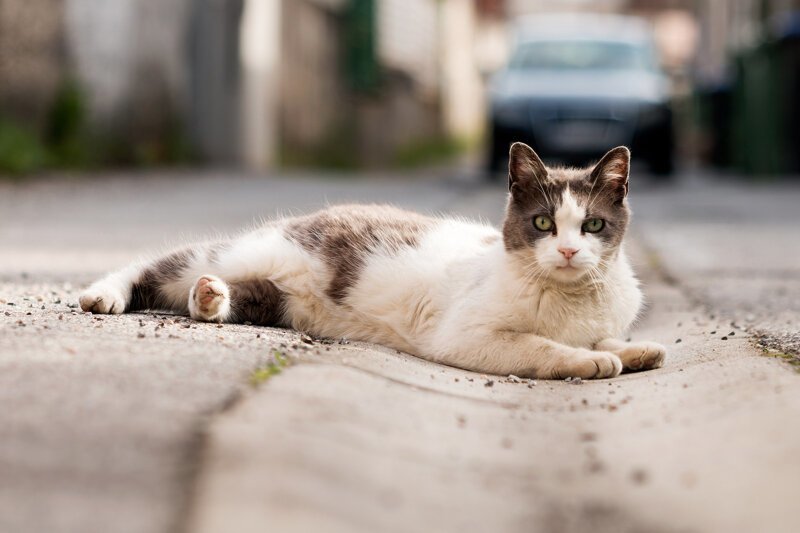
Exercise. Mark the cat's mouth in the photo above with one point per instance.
(568, 273)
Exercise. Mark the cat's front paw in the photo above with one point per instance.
(642, 355)
(589, 364)
(209, 299)
(102, 298)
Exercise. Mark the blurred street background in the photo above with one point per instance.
(361, 84)
(131, 125)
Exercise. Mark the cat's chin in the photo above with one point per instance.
(568, 274)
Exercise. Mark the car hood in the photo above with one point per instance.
(636, 85)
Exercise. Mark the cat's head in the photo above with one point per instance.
(564, 224)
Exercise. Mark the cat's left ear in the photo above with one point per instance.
(612, 171)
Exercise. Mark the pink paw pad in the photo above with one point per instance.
(205, 292)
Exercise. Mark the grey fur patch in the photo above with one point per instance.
(146, 292)
(538, 190)
(258, 301)
(344, 236)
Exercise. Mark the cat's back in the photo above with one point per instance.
(347, 233)
(378, 264)
(357, 228)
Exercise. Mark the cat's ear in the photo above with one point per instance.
(524, 167)
(612, 171)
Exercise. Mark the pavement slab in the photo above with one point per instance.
(152, 423)
(368, 439)
(734, 247)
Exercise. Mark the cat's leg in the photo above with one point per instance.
(257, 301)
(210, 300)
(643, 355)
(528, 355)
(160, 284)
(111, 294)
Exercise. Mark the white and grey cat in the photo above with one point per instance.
(546, 297)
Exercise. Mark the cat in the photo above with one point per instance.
(545, 297)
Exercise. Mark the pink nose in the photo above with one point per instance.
(568, 252)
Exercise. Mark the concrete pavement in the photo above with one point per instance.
(150, 423)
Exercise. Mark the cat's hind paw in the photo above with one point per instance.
(102, 298)
(209, 299)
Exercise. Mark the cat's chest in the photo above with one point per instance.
(576, 320)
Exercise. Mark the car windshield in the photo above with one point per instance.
(579, 55)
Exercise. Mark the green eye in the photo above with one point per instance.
(543, 223)
(593, 225)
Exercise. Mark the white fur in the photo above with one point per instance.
(454, 298)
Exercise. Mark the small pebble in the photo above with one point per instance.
(677, 341)
(724, 338)
(639, 476)
(140, 335)
(489, 383)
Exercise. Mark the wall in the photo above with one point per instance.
(31, 58)
(312, 93)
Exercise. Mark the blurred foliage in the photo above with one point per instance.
(360, 48)
(21, 151)
(337, 151)
(172, 147)
(430, 150)
(66, 141)
(66, 134)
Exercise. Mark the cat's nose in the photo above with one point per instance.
(568, 252)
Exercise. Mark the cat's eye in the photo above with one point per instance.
(543, 223)
(593, 225)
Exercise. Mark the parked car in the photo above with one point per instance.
(578, 85)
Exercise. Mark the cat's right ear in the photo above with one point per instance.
(524, 167)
